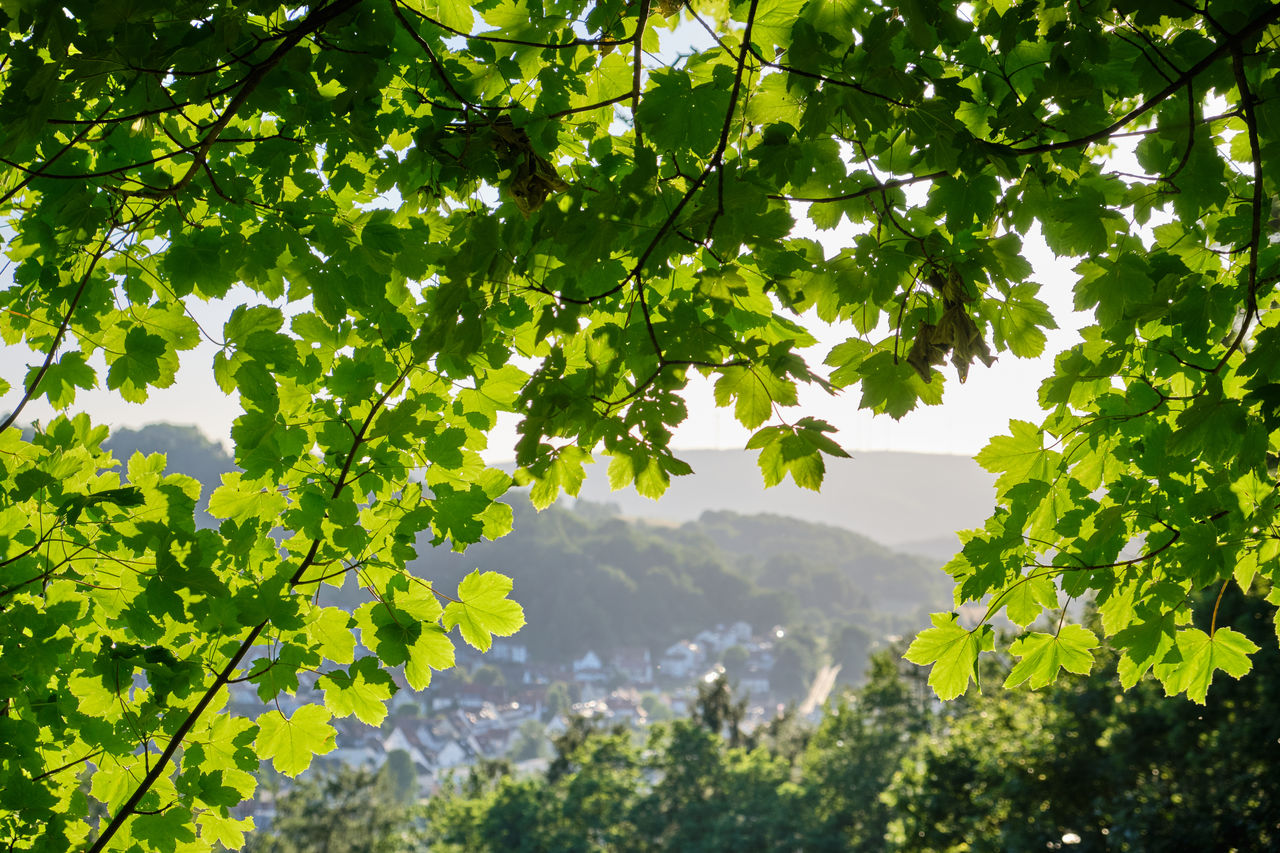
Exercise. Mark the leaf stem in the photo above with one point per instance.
(1213, 621)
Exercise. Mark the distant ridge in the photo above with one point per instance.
(898, 499)
(914, 502)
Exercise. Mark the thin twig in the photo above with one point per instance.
(34, 385)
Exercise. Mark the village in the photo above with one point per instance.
(502, 705)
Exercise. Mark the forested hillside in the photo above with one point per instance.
(817, 563)
(591, 581)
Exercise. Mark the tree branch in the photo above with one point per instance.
(314, 22)
(1255, 225)
(30, 392)
(225, 675)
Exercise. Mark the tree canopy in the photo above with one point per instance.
(888, 770)
(425, 213)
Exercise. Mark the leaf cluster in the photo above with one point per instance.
(417, 217)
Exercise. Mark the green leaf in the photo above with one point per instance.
(362, 690)
(1044, 654)
(892, 387)
(330, 629)
(796, 451)
(240, 501)
(164, 828)
(290, 743)
(1029, 598)
(1201, 656)
(1018, 457)
(224, 830)
(483, 609)
(451, 13)
(1144, 645)
(432, 650)
(563, 473)
(953, 652)
(752, 403)
(145, 362)
(62, 379)
(680, 115)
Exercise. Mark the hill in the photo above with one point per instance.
(898, 499)
(591, 581)
(913, 502)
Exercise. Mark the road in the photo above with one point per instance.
(820, 689)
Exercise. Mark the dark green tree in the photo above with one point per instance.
(718, 710)
(854, 754)
(794, 665)
(735, 660)
(488, 675)
(851, 647)
(711, 798)
(530, 741)
(1118, 770)
(400, 778)
(346, 810)
(558, 701)
(583, 804)
(888, 769)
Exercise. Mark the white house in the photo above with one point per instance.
(452, 754)
(680, 660)
(710, 639)
(505, 651)
(399, 740)
(588, 668)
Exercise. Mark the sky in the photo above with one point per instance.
(970, 414)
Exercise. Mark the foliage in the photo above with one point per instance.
(824, 569)
(718, 712)
(706, 798)
(400, 777)
(1120, 770)
(734, 660)
(795, 662)
(530, 741)
(421, 214)
(347, 810)
(851, 645)
(852, 757)
(558, 701)
(886, 769)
